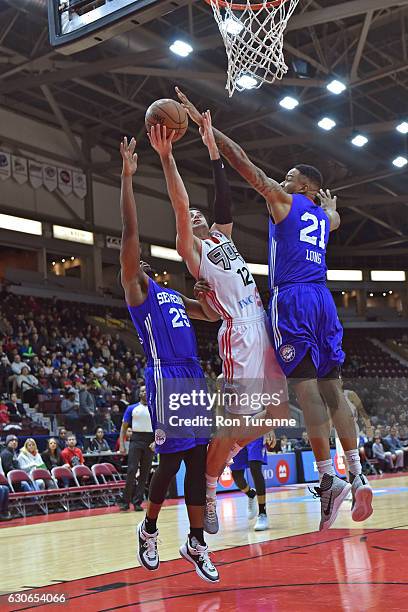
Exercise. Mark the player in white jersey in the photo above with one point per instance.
(249, 364)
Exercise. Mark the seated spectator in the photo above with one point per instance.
(17, 365)
(9, 460)
(16, 409)
(116, 416)
(304, 442)
(98, 444)
(396, 448)
(4, 499)
(52, 456)
(87, 406)
(99, 371)
(70, 409)
(30, 459)
(104, 420)
(62, 438)
(126, 441)
(285, 445)
(4, 415)
(26, 350)
(71, 454)
(28, 385)
(384, 457)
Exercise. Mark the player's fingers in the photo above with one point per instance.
(172, 135)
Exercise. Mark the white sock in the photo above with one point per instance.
(353, 460)
(325, 467)
(211, 486)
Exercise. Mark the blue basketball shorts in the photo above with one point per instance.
(178, 406)
(303, 318)
(254, 451)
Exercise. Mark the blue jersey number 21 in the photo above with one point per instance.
(305, 233)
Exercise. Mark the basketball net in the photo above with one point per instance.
(253, 38)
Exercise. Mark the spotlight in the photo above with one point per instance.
(402, 128)
(400, 162)
(156, 275)
(371, 294)
(165, 273)
(384, 294)
(326, 124)
(181, 48)
(72, 258)
(289, 103)
(246, 82)
(233, 26)
(165, 282)
(63, 260)
(336, 87)
(53, 263)
(343, 293)
(359, 140)
(390, 292)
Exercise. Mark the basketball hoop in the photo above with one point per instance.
(253, 37)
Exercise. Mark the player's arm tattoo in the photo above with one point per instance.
(270, 189)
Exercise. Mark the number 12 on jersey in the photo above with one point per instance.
(305, 233)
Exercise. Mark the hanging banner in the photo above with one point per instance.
(5, 165)
(50, 177)
(65, 181)
(79, 184)
(36, 173)
(20, 169)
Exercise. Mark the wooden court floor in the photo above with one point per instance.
(89, 558)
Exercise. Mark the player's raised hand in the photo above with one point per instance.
(161, 139)
(129, 157)
(207, 134)
(327, 201)
(192, 111)
(200, 289)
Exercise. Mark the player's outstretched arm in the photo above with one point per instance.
(222, 201)
(188, 246)
(329, 205)
(134, 280)
(278, 201)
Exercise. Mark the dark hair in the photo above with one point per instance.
(99, 427)
(311, 173)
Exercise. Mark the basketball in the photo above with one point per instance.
(169, 113)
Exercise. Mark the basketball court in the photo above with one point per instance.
(320, 81)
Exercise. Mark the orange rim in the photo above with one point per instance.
(242, 7)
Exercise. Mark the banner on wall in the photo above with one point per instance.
(279, 471)
(79, 184)
(65, 181)
(19, 168)
(5, 165)
(50, 177)
(35, 171)
(310, 468)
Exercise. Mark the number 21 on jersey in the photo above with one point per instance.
(305, 233)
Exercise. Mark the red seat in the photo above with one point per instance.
(15, 477)
(80, 473)
(113, 471)
(60, 474)
(102, 471)
(3, 480)
(44, 475)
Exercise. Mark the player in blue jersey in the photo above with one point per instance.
(252, 456)
(160, 316)
(306, 330)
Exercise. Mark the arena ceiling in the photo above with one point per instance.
(102, 93)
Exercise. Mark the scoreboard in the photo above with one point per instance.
(75, 25)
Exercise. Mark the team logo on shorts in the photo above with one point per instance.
(159, 437)
(287, 352)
